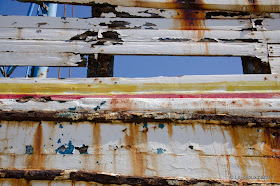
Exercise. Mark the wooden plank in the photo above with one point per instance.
(136, 48)
(274, 65)
(123, 23)
(41, 59)
(41, 33)
(134, 35)
(241, 5)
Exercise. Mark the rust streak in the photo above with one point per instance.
(36, 160)
(97, 141)
(134, 140)
(271, 140)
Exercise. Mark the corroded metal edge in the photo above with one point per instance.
(103, 178)
(134, 117)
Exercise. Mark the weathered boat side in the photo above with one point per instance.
(221, 130)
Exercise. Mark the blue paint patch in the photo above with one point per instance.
(98, 163)
(72, 109)
(70, 123)
(161, 126)
(59, 141)
(60, 126)
(29, 149)
(65, 149)
(160, 150)
(182, 118)
(96, 108)
(102, 103)
(145, 125)
(0, 126)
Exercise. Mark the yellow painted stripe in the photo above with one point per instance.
(154, 88)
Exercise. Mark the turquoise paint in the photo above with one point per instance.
(65, 149)
(60, 126)
(145, 125)
(59, 141)
(160, 150)
(72, 109)
(29, 149)
(161, 126)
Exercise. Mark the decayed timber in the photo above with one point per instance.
(232, 5)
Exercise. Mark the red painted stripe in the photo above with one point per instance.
(214, 95)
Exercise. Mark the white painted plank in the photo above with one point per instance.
(137, 48)
(240, 5)
(274, 65)
(198, 79)
(194, 35)
(122, 23)
(141, 35)
(39, 33)
(39, 59)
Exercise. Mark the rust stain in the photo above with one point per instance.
(121, 104)
(19, 33)
(228, 172)
(239, 137)
(137, 140)
(170, 130)
(254, 5)
(271, 138)
(37, 159)
(97, 141)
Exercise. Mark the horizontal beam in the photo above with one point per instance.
(134, 48)
(42, 59)
(134, 35)
(241, 5)
(124, 23)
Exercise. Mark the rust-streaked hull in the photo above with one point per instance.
(141, 131)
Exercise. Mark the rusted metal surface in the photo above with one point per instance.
(102, 178)
(255, 66)
(159, 151)
(100, 65)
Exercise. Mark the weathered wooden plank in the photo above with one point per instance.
(274, 65)
(123, 23)
(241, 5)
(41, 59)
(41, 33)
(140, 35)
(137, 48)
(111, 11)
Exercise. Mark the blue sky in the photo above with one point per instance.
(132, 66)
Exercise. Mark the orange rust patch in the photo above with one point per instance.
(239, 137)
(135, 139)
(122, 104)
(254, 5)
(37, 159)
(271, 138)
